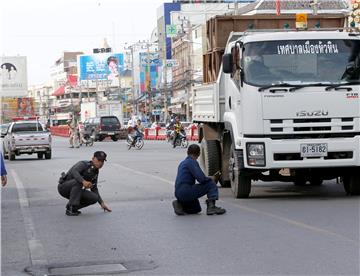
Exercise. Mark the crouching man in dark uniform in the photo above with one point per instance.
(187, 192)
(74, 184)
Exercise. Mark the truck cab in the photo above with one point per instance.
(285, 107)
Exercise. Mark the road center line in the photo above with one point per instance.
(289, 221)
(37, 253)
(144, 174)
(296, 223)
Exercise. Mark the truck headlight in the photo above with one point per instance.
(256, 154)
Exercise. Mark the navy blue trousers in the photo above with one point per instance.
(193, 192)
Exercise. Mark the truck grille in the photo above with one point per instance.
(312, 125)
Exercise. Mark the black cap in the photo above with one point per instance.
(100, 155)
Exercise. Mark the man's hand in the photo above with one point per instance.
(3, 180)
(216, 176)
(105, 207)
(87, 184)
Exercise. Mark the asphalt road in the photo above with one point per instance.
(280, 230)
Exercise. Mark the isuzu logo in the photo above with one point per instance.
(314, 113)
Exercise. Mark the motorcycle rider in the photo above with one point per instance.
(139, 129)
(170, 127)
(178, 128)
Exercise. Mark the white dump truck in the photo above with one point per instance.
(285, 107)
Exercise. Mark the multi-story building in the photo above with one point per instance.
(64, 77)
(43, 101)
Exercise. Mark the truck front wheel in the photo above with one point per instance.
(352, 184)
(240, 182)
(210, 156)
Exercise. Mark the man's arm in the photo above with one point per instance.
(197, 172)
(77, 170)
(95, 190)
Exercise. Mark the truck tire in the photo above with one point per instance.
(352, 184)
(240, 182)
(40, 155)
(11, 155)
(6, 156)
(48, 154)
(210, 156)
(300, 177)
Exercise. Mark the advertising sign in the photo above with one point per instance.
(13, 76)
(171, 30)
(149, 71)
(171, 63)
(16, 107)
(105, 66)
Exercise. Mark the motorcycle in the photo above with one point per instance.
(181, 140)
(86, 140)
(169, 131)
(138, 144)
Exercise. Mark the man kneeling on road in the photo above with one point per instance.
(188, 193)
(74, 184)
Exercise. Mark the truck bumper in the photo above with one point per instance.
(285, 153)
(33, 149)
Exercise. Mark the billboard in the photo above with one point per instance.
(13, 76)
(149, 71)
(16, 107)
(105, 66)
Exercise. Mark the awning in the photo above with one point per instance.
(175, 106)
(72, 79)
(60, 91)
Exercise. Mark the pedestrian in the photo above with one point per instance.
(75, 183)
(3, 171)
(73, 128)
(187, 192)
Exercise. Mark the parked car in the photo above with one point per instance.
(102, 127)
(26, 137)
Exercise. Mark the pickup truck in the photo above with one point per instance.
(26, 137)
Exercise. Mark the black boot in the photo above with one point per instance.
(72, 210)
(178, 208)
(212, 209)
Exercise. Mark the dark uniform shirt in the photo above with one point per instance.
(85, 170)
(188, 172)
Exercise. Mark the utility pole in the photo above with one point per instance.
(165, 79)
(148, 64)
(133, 78)
(189, 75)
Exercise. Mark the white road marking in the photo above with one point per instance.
(284, 219)
(37, 253)
(296, 223)
(144, 174)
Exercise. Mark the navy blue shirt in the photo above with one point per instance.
(188, 172)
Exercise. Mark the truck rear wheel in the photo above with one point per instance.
(240, 182)
(48, 154)
(352, 184)
(11, 155)
(210, 156)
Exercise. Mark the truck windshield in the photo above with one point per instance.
(301, 62)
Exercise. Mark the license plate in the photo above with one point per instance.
(313, 150)
(111, 133)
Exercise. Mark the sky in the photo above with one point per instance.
(42, 29)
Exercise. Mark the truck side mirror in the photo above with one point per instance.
(227, 63)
